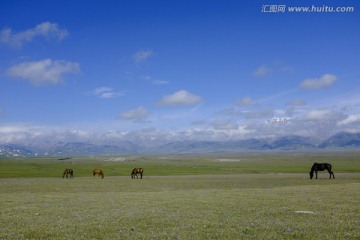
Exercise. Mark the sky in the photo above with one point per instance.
(102, 71)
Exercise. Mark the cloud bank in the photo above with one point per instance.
(262, 71)
(44, 71)
(106, 93)
(45, 29)
(142, 56)
(324, 81)
(136, 115)
(180, 98)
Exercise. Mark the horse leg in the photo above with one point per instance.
(316, 174)
(140, 175)
(332, 173)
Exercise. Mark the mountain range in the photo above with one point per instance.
(286, 143)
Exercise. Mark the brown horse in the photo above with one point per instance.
(137, 171)
(321, 167)
(68, 172)
(98, 172)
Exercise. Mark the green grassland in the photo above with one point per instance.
(254, 196)
(181, 164)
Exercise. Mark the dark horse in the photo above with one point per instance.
(68, 172)
(98, 172)
(321, 167)
(136, 171)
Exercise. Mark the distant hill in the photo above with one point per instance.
(14, 150)
(342, 140)
(292, 143)
(79, 149)
(285, 143)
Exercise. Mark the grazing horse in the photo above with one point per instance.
(98, 172)
(321, 167)
(135, 172)
(68, 172)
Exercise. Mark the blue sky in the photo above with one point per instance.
(176, 70)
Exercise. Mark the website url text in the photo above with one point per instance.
(308, 9)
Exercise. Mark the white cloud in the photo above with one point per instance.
(106, 92)
(293, 106)
(324, 81)
(296, 103)
(276, 68)
(262, 113)
(43, 72)
(353, 118)
(22, 133)
(246, 101)
(224, 125)
(278, 120)
(136, 115)
(155, 81)
(159, 82)
(179, 98)
(229, 111)
(324, 115)
(262, 71)
(313, 124)
(142, 55)
(45, 29)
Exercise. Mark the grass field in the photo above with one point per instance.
(237, 197)
(181, 165)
